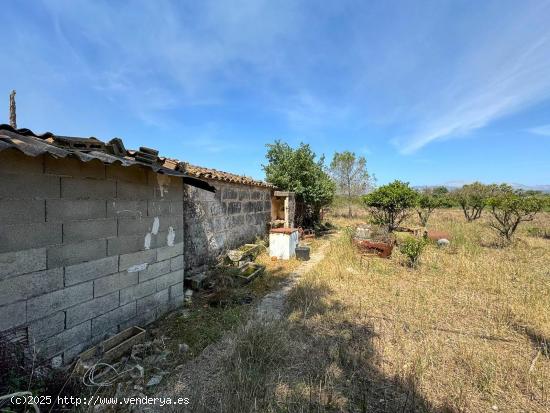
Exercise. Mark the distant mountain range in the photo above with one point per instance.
(458, 184)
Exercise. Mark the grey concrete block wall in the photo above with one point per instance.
(86, 249)
(214, 223)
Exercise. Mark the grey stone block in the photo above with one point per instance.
(58, 300)
(166, 280)
(26, 236)
(75, 167)
(135, 174)
(20, 212)
(75, 253)
(133, 191)
(154, 270)
(233, 208)
(91, 309)
(29, 187)
(141, 319)
(125, 245)
(30, 285)
(127, 261)
(126, 209)
(12, 315)
(21, 262)
(87, 188)
(230, 193)
(15, 162)
(114, 282)
(62, 210)
(75, 274)
(176, 263)
(64, 340)
(176, 302)
(165, 253)
(152, 301)
(91, 229)
(137, 291)
(46, 327)
(176, 290)
(176, 207)
(256, 195)
(135, 226)
(158, 208)
(113, 318)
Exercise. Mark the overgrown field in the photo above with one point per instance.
(468, 330)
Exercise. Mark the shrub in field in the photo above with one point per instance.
(509, 209)
(472, 199)
(428, 201)
(412, 248)
(391, 204)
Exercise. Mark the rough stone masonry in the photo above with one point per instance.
(86, 250)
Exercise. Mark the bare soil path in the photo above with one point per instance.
(199, 376)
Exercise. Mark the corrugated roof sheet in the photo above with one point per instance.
(87, 149)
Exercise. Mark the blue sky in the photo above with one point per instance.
(430, 92)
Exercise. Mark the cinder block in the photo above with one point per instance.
(75, 253)
(233, 208)
(30, 285)
(125, 245)
(256, 195)
(141, 319)
(135, 226)
(87, 188)
(113, 318)
(154, 270)
(230, 193)
(46, 327)
(91, 229)
(13, 315)
(58, 300)
(15, 162)
(175, 302)
(29, 187)
(75, 167)
(166, 280)
(165, 253)
(126, 209)
(26, 236)
(91, 309)
(114, 282)
(176, 290)
(20, 212)
(244, 194)
(176, 263)
(137, 291)
(158, 208)
(62, 210)
(133, 191)
(152, 301)
(137, 258)
(176, 207)
(64, 340)
(135, 174)
(75, 274)
(21, 262)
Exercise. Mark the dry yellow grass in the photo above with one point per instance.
(468, 330)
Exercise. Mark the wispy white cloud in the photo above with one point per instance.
(499, 74)
(543, 130)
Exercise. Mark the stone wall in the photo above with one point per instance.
(86, 250)
(234, 215)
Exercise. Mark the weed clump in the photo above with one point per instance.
(412, 248)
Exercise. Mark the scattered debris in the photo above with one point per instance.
(374, 239)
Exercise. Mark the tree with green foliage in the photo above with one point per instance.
(472, 199)
(427, 203)
(510, 208)
(351, 176)
(391, 204)
(299, 171)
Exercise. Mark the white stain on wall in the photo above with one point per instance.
(164, 183)
(156, 225)
(171, 237)
(137, 268)
(148, 241)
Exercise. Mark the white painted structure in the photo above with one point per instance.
(283, 242)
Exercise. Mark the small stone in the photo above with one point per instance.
(138, 388)
(183, 348)
(57, 362)
(494, 407)
(443, 242)
(153, 381)
(137, 372)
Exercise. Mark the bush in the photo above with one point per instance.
(391, 204)
(509, 209)
(472, 199)
(412, 248)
